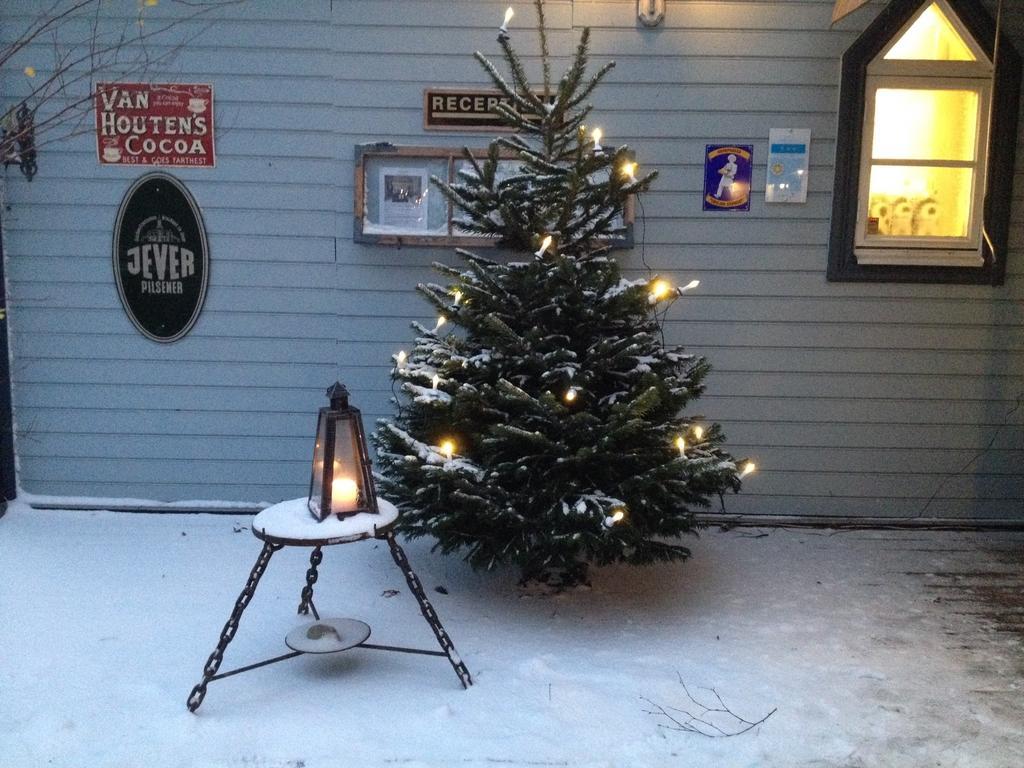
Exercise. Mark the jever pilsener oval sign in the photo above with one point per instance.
(161, 258)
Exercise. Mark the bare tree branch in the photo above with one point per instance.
(713, 718)
(118, 54)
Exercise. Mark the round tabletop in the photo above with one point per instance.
(291, 523)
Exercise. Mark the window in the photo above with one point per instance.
(924, 152)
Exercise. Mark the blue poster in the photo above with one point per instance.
(728, 169)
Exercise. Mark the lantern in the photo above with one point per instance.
(341, 482)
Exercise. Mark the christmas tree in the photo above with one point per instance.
(541, 420)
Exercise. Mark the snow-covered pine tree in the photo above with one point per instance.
(541, 422)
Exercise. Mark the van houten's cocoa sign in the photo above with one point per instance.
(167, 124)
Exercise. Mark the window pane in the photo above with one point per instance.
(911, 201)
(931, 38)
(925, 125)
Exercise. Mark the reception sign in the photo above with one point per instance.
(465, 109)
(161, 258)
(155, 124)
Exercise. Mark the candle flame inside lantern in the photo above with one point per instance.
(344, 494)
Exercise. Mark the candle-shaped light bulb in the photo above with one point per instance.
(596, 135)
(570, 395)
(401, 356)
(617, 516)
(441, 320)
(629, 170)
(435, 381)
(659, 290)
(698, 431)
(681, 445)
(544, 245)
(503, 29)
(748, 468)
(344, 495)
(458, 296)
(690, 286)
(448, 448)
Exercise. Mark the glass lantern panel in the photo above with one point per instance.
(918, 201)
(317, 477)
(347, 477)
(913, 124)
(931, 38)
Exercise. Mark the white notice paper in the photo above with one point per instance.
(403, 199)
(788, 153)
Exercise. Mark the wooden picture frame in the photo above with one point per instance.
(393, 204)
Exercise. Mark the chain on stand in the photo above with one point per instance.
(306, 603)
(428, 610)
(231, 627)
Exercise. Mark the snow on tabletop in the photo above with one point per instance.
(293, 520)
(109, 618)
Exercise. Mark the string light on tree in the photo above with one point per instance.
(544, 245)
(629, 170)
(441, 320)
(660, 289)
(681, 445)
(570, 395)
(596, 135)
(436, 380)
(698, 432)
(617, 516)
(401, 357)
(448, 448)
(748, 469)
(690, 286)
(458, 296)
(503, 29)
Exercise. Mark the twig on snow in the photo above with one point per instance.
(713, 718)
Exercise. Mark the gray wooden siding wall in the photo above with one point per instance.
(855, 399)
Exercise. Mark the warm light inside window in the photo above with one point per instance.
(917, 201)
(925, 125)
(931, 38)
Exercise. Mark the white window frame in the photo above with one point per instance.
(932, 76)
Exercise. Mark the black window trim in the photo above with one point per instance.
(1002, 141)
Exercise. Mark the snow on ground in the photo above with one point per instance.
(108, 619)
